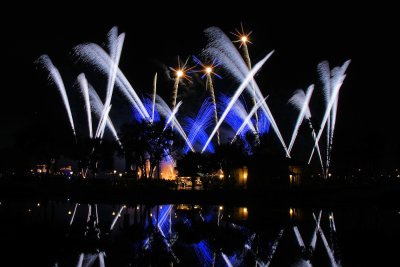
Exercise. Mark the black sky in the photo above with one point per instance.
(301, 36)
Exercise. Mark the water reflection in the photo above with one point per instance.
(90, 234)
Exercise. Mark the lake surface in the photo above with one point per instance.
(66, 233)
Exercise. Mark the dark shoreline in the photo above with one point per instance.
(327, 195)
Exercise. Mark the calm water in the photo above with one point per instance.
(65, 233)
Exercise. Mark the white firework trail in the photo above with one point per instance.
(326, 245)
(336, 83)
(172, 116)
(84, 89)
(221, 48)
(248, 118)
(116, 217)
(165, 111)
(97, 108)
(300, 101)
(314, 236)
(55, 76)
(115, 46)
(98, 58)
(238, 92)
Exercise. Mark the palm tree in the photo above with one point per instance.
(145, 146)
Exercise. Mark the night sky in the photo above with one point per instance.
(368, 116)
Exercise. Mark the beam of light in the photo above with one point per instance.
(335, 74)
(237, 114)
(97, 107)
(115, 46)
(80, 260)
(165, 214)
(314, 236)
(73, 214)
(84, 89)
(226, 259)
(148, 104)
(326, 245)
(274, 247)
(116, 217)
(324, 75)
(238, 92)
(164, 110)
(221, 48)
(172, 116)
(203, 253)
(332, 219)
(196, 127)
(101, 259)
(89, 259)
(263, 122)
(102, 123)
(298, 237)
(89, 213)
(97, 214)
(300, 100)
(248, 118)
(197, 134)
(154, 97)
(247, 247)
(54, 75)
(96, 56)
(336, 85)
(334, 245)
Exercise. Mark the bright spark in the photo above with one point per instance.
(243, 38)
(182, 71)
(207, 69)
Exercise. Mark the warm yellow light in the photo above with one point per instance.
(245, 210)
(113, 214)
(330, 174)
(221, 208)
(179, 73)
(120, 175)
(119, 214)
(221, 176)
(38, 204)
(69, 212)
(244, 39)
(115, 171)
(330, 217)
(291, 211)
(208, 70)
